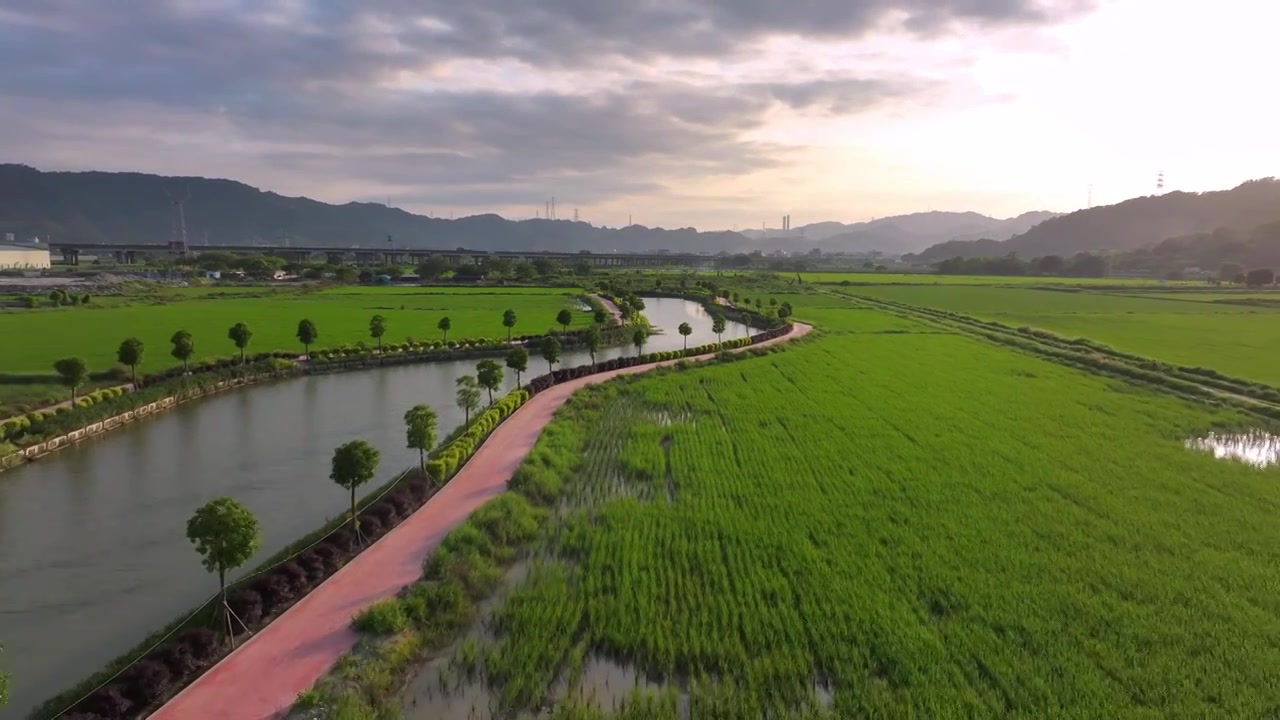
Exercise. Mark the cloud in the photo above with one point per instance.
(370, 90)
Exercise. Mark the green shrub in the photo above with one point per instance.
(385, 617)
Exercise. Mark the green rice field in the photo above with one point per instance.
(887, 278)
(1236, 339)
(341, 315)
(890, 520)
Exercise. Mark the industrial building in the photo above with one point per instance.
(24, 257)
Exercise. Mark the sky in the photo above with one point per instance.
(708, 113)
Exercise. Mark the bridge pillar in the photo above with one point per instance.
(71, 256)
(334, 258)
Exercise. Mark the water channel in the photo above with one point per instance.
(93, 552)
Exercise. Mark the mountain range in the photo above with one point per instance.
(101, 207)
(902, 234)
(1132, 224)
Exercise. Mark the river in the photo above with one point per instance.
(93, 551)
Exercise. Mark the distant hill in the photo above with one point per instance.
(1129, 225)
(902, 234)
(99, 207)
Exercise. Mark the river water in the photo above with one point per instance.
(93, 551)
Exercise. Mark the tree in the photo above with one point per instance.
(601, 316)
(718, 326)
(638, 336)
(508, 321)
(420, 432)
(130, 353)
(240, 334)
(525, 271)
(4, 685)
(1228, 272)
(377, 328)
(184, 346)
(518, 362)
(432, 267)
(489, 375)
(686, 330)
(354, 465)
(593, 341)
(72, 372)
(226, 535)
(551, 351)
(468, 396)
(565, 318)
(444, 326)
(1260, 277)
(307, 334)
(784, 312)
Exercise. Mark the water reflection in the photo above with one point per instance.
(93, 552)
(1256, 447)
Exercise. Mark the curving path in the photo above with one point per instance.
(263, 677)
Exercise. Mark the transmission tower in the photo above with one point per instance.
(178, 244)
(1160, 182)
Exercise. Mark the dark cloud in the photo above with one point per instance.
(303, 84)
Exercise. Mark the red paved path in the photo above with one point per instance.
(264, 676)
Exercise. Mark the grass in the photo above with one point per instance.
(969, 532)
(886, 278)
(1239, 340)
(341, 315)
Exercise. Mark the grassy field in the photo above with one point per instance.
(1238, 340)
(875, 278)
(342, 316)
(888, 523)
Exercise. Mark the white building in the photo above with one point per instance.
(24, 257)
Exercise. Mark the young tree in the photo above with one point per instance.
(601, 316)
(784, 312)
(72, 372)
(718, 326)
(638, 337)
(420, 432)
(686, 330)
(226, 535)
(354, 465)
(4, 684)
(306, 335)
(468, 396)
(130, 353)
(773, 302)
(518, 362)
(593, 341)
(551, 351)
(184, 346)
(240, 334)
(564, 317)
(489, 375)
(377, 328)
(444, 326)
(508, 321)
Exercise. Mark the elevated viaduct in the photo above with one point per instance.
(131, 253)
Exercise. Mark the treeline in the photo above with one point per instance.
(1079, 265)
(258, 266)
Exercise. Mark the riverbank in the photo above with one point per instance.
(296, 650)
